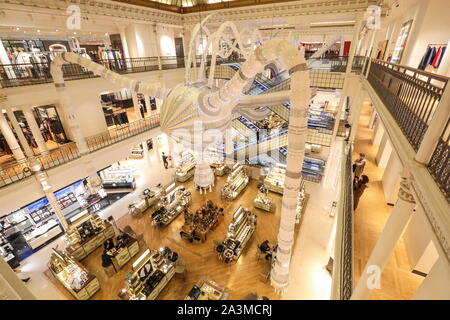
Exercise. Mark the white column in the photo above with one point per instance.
(137, 110)
(373, 116)
(158, 46)
(435, 129)
(37, 135)
(11, 139)
(356, 111)
(373, 53)
(436, 284)
(123, 39)
(147, 103)
(341, 49)
(5, 60)
(378, 134)
(395, 225)
(12, 288)
(347, 74)
(48, 191)
(23, 141)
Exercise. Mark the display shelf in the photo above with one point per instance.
(275, 179)
(74, 277)
(240, 231)
(207, 290)
(197, 225)
(152, 271)
(125, 249)
(236, 182)
(171, 205)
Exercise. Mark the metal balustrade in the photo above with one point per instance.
(410, 95)
(122, 132)
(439, 166)
(15, 75)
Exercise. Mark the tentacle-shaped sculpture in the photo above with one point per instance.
(197, 116)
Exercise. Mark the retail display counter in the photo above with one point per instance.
(236, 182)
(86, 233)
(171, 205)
(118, 178)
(146, 201)
(152, 271)
(186, 167)
(136, 153)
(197, 225)
(219, 168)
(275, 179)
(207, 290)
(263, 201)
(40, 235)
(74, 277)
(302, 199)
(239, 233)
(126, 248)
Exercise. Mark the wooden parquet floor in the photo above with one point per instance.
(240, 278)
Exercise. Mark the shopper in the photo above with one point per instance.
(359, 164)
(22, 276)
(164, 159)
(359, 187)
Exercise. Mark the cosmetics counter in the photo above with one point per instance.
(7, 252)
(236, 182)
(86, 233)
(137, 153)
(262, 200)
(207, 290)
(186, 167)
(197, 225)
(30, 228)
(275, 179)
(240, 231)
(152, 271)
(176, 199)
(118, 178)
(73, 276)
(146, 201)
(125, 248)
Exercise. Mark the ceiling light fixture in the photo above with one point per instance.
(332, 22)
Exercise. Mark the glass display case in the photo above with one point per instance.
(275, 179)
(152, 271)
(118, 177)
(262, 200)
(240, 230)
(236, 182)
(207, 290)
(186, 167)
(72, 275)
(174, 202)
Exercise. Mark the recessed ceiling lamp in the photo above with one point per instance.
(74, 33)
(56, 30)
(38, 30)
(17, 28)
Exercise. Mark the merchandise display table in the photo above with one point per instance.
(87, 233)
(171, 205)
(125, 249)
(239, 233)
(73, 276)
(152, 272)
(207, 290)
(197, 225)
(236, 182)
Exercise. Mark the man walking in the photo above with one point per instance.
(164, 159)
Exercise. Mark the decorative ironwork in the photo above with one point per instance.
(439, 166)
(346, 276)
(410, 95)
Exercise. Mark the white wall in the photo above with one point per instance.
(85, 95)
(436, 285)
(418, 239)
(391, 178)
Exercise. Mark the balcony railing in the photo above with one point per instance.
(410, 95)
(122, 132)
(15, 75)
(17, 171)
(439, 166)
